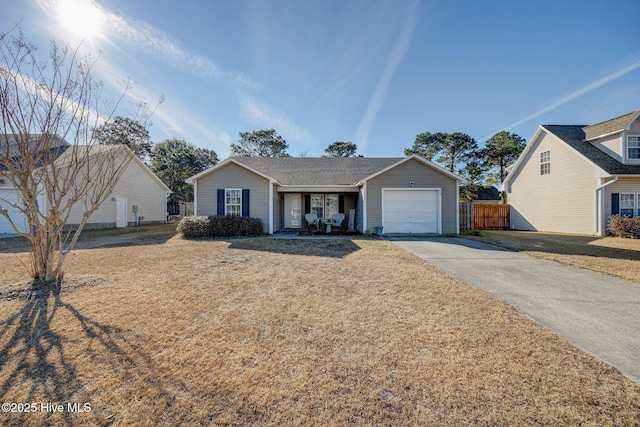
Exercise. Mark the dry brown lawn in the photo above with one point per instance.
(614, 256)
(152, 329)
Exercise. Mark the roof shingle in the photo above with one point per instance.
(318, 171)
(574, 136)
(609, 126)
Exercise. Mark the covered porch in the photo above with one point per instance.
(324, 204)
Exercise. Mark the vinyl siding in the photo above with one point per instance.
(278, 207)
(612, 145)
(623, 185)
(562, 201)
(635, 127)
(422, 176)
(234, 176)
(140, 189)
(360, 210)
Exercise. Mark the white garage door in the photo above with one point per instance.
(17, 217)
(410, 211)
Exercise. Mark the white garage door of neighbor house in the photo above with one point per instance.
(16, 216)
(410, 211)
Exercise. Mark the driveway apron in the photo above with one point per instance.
(598, 313)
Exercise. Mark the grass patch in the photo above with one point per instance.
(290, 332)
(614, 256)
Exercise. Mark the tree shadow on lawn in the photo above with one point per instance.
(102, 238)
(43, 367)
(328, 248)
(555, 244)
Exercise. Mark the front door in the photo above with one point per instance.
(292, 210)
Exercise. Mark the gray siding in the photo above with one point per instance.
(360, 210)
(422, 176)
(234, 176)
(277, 209)
(562, 201)
(635, 127)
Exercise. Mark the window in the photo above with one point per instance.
(317, 205)
(545, 163)
(331, 202)
(325, 205)
(627, 204)
(233, 202)
(633, 147)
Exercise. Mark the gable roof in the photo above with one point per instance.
(89, 151)
(609, 127)
(574, 136)
(319, 171)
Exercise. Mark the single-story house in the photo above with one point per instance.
(139, 196)
(402, 195)
(572, 178)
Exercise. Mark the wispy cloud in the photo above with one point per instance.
(626, 69)
(259, 113)
(157, 42)
(379, 94)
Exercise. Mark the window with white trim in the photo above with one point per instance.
(317, 205)
(331, 204)
(233, 202)
(633, 147)
(545, 163)
(627, 204)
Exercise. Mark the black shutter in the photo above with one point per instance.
(220, 201)
(341, 203)
(615, 204)
(245, 202)
(307, 203)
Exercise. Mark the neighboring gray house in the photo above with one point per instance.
(573, 178)
(403, 195)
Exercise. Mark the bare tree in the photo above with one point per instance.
(47, 150)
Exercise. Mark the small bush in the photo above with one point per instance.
(622, 226)
(194, 226)
(220, 226)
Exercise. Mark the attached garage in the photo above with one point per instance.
(17, 217)
(413, 210)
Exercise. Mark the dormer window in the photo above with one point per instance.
(545, 163)
(633, 147)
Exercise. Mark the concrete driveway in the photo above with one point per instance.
(597, 313)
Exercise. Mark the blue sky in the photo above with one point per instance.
(375, 73)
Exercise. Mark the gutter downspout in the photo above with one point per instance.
(599, 207)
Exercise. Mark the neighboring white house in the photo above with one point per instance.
(572, 178)
(139, 197)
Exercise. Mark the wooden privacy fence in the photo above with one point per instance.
(483, 217)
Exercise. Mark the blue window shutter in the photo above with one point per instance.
(220, 201)
(615, 203)
(245, 202)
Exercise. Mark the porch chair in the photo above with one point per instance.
(312, 220)
(335, 221)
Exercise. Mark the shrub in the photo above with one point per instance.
(622, 226)
(230, 226)
(194, 226)
(220, 226)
